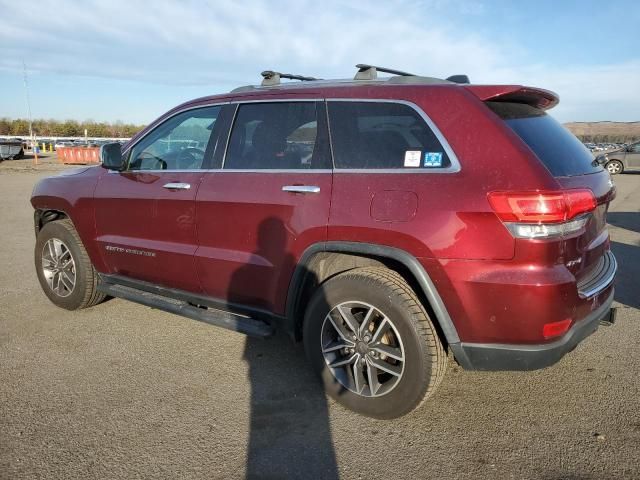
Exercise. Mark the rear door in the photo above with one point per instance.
(266, 204)
(633, 156)
(573, 167)
(145, 215)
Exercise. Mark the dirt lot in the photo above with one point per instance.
(123, 391)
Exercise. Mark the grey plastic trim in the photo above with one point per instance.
(455, 163)
(497, 356)
(409, 261)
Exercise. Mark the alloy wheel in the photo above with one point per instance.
(58, 267)
(362, 348)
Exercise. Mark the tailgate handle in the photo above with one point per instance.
(301, 189)
(177, 186)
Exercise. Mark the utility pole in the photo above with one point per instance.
(26, 95)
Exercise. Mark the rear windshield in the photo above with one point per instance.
(560, 151)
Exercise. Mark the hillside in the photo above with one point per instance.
(605, 131)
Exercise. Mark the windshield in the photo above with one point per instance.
(556, 147)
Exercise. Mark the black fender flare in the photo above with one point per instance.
(407, 260)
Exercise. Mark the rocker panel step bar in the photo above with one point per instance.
(218, 318)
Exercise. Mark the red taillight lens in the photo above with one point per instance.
(541, 207)
(554, 329)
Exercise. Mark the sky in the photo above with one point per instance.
(130, 61)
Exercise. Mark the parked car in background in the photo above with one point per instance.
(625, 159)
(387, 223)
(11, 149)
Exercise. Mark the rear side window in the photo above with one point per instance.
(557, 148)
(376, 135)
(276, 136)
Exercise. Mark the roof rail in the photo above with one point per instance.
(370, 72)
(273, 78)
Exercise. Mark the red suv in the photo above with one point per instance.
(384, 221)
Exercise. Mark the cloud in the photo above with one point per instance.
(224, 43)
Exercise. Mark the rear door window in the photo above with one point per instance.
(276, 136)
(382, 135)
(556, 147)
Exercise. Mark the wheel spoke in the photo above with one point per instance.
(336, 345)
(395, 370)
(348, 318)
(358, 377)
(364, 326)
(389, 351)
(67, 281)
(372, 378)
(339, 327)
(380, 331)
(344, 361)
(52, 251)
(58, 281)
(57, 245)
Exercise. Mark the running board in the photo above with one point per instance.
(218, 318)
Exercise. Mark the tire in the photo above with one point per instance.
(409, 348)
(72, 283)
(19, 155)
(615, 167)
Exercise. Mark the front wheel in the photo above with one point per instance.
(64, 269)
(372, 342)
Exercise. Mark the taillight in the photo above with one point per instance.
(543, 214)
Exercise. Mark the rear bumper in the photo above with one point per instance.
(479, 356)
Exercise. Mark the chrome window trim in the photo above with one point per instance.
(279, 170)
(453, 168)
(453, 158)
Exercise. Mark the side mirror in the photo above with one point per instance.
(111, 156)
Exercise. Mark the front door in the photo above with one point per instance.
(266, 205)
(145, 215)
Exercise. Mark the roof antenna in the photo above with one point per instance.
(458, 79)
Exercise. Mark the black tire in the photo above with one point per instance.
(424, 359)
(614, 167)
(84, 292)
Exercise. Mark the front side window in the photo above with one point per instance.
(383, 135)
(177, 144)
(276, 136)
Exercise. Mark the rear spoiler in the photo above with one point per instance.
(536, 97)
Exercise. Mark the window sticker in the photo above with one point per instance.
(412, 158)
(432, 159)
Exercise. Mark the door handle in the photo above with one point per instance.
(301, 189)
(177, 186)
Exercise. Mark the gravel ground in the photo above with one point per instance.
(123, 391)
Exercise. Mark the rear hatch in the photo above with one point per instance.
(585, 252)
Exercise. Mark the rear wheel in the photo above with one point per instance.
(614, 167)
(64, 270)
(372, 342)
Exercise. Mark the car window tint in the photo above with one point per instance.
(177, 144)
(635, 148)
(375, 135)
(555, 146)
(278, 136)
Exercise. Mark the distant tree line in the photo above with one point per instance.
(68, 128)
(606, 138)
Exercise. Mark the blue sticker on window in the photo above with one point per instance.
(432, 159)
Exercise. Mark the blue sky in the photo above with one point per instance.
(130, 60)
